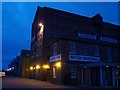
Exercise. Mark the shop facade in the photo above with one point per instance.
(72, 49)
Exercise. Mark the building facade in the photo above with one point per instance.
(72, 49)
(20, 64)
(24, 64)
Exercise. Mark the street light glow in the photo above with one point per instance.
(31, 68)
(8, 69)
(58, 64)
(40, 24)
(46, 66)
(107, 66)
(37, 66)
(41, 28)
(12, 67)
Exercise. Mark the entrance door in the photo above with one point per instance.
(107, 76)
(85, 76)
(95, 76)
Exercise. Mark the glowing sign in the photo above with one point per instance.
(84, 58)
(106, 39)
(55, 58)
(88, 36)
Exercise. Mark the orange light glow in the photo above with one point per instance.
(58, 64)
(41, 29)
(46, 66)
(31, 68)
(37, 66)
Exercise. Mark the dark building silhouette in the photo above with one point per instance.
(20, 64)
(13, 66)
(73, 49)
(24, 64)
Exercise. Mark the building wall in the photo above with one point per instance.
(25, 68)
(24, 64)
(62, 28)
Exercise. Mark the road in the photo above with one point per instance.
(16, 82)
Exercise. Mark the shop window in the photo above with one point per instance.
(73, 71)
(55, 49)
(109, 54)
(72, 47)
(54, 72)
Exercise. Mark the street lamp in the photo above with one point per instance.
(12, 67)
(58, 64)
(46, 66)
(31, 68)
(41, 29)
(107, 66)
(37, 67)
(40, 24)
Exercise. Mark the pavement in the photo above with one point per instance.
(17, 82)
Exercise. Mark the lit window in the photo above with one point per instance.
(54, 72)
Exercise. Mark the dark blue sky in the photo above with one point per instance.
(17, 20)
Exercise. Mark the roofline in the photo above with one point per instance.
(90, 18)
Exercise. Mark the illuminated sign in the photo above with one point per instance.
(84, 58)
(106, 39)
(88, 36)
(55, 58)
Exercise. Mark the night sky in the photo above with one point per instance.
(17, 20)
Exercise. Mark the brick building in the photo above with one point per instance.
(73, 49)
(24, 63)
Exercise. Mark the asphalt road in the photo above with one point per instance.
(16, 82)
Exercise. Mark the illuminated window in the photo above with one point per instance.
(54, 72)
(72, 47)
